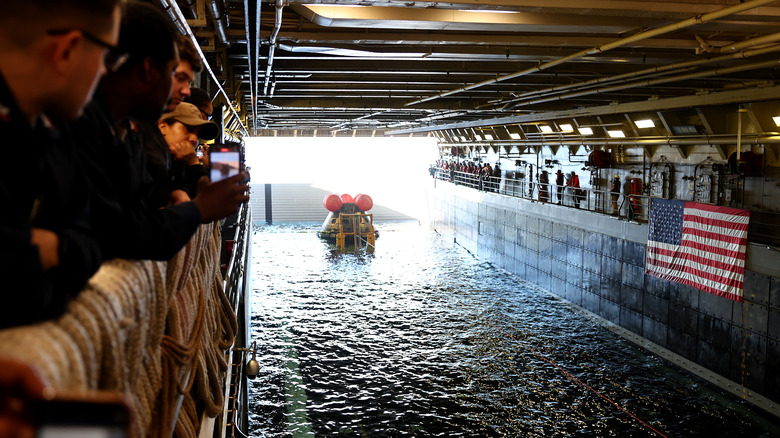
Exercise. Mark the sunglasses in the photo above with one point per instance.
(113, 59)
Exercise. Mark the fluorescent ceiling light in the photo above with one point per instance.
(463, 139)
(777, 120)
(646, 123)
(616, 134)
(488, 137)
(566, 127)
(478, 137)
(545, 128)
(514, 136)
(585, 131)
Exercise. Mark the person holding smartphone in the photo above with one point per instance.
(181, 129)
(124, 216)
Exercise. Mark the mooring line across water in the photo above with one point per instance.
(574, 378)
(561, 369)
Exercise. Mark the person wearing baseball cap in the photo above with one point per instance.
(192, 124)
(181, 129)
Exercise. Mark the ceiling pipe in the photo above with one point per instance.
(178, 19)
(660, 81)
(724, 140)
(699, 19)
(252, 66)
(272, 44)
(220, 20)
(749, 43)
(191, 6)
(653, 70)
(256, 61)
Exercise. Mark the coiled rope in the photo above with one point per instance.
(157, 331)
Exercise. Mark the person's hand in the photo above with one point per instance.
(204, 160)
(184, 152)
(48, 243)
(178, 196)
(221, 199)
(19, 384)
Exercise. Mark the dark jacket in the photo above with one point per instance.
(41, 186)
(615, 186)
(167, 174)
(126, 221)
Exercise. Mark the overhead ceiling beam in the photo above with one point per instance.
(422, 39)
(720, 98)
(621, 42)
(178, 18)
(464, 20)
(616, 7)
(659, 81)
(650, 71)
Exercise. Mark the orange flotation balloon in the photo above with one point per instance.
(332, 202)
(347, 199)
(364, 202)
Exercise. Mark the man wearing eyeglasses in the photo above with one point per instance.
(110, 146)
(174, 182)
(52, 54)
(189, 65)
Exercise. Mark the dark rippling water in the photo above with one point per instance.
(421, 339)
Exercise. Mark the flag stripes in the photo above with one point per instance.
(700, 245)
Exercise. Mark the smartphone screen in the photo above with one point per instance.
(80, 432)
(223, 163)
(81, 418)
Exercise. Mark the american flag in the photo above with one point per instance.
(700, 245)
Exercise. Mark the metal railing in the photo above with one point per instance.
(238, 249)
(236, 278)
(630, 207)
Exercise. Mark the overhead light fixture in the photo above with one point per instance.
(566, 127)
(514, 136)
(777, 120)
(488, 137)
(545, 128)
(463, 139)
(616, 134)
(646, 123)
(585, 131)
(478, 137)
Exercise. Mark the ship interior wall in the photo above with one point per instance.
(597, 263)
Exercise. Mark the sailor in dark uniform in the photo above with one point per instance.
(123, 216)
(52, 54)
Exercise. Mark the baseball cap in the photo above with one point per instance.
(189, 115)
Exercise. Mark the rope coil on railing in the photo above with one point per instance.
(153, 330)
